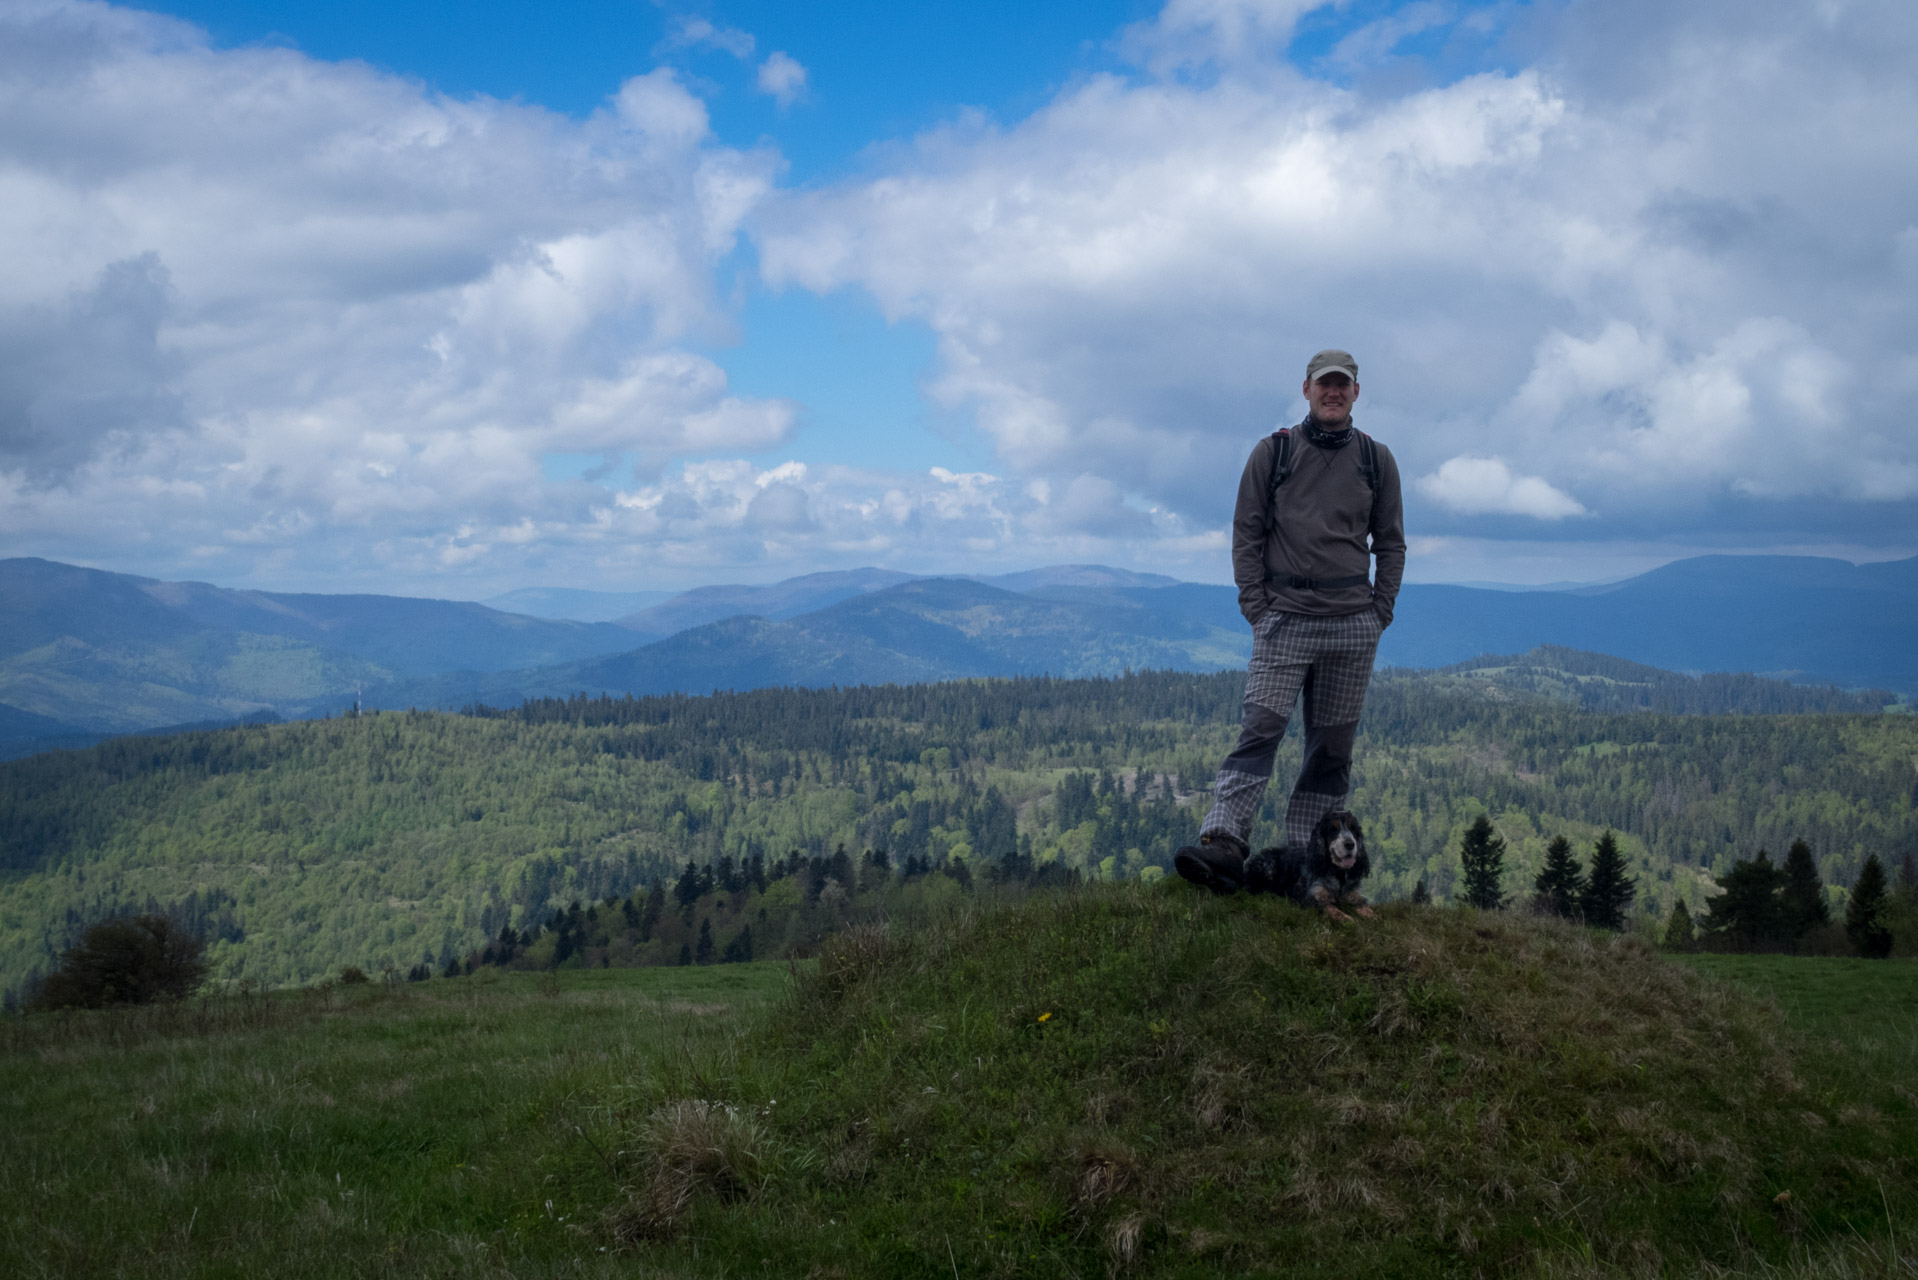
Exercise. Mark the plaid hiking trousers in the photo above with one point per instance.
(1330, 661)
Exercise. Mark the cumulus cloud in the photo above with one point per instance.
(782, 76)
(307, 312)
(1622, 273)
(281, 317)
(1486, 486)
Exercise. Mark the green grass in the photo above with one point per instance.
(1122, 1080)
(449, 1128)
(1139, 1080)
(1853, 1001)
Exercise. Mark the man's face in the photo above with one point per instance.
(1331, 398)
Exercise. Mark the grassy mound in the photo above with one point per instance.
(1143, 1080)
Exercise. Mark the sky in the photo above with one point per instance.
(452, 299)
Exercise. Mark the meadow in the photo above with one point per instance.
(1118, 1079)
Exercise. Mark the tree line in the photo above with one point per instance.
(380, 839)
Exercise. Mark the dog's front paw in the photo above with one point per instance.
(1336, 916)
(1262, 872)
(1365, 911)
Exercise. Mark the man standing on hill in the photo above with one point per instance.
(1316, 503)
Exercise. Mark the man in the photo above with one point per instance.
(1302, 543)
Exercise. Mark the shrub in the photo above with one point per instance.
(125, 960)
(353, 976)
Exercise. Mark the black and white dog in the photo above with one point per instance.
(1324, 874)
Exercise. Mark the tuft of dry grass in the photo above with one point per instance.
(687, 1150)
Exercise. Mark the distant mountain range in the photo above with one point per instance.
(84, 653)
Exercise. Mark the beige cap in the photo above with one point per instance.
(1331, 360)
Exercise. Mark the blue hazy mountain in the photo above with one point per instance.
(108, 652)
(576, 605)
(921, 629)
(816, 591)
(1797, 617)
(785, 599)
(87, 652)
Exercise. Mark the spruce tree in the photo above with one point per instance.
(1746, 915)
(1561, 883)
(1482, 851)
(1679, 934)
(649, 917)
(703, 953)
(1864, 918)
(1801, 895)
(1608, 890)
(1421, 896)
(687, 888)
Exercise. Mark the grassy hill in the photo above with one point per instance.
(1122, 1080)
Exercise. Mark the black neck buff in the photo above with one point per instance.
(1326, 439)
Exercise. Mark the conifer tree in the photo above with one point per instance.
(1801, 895)
(740, 949)
(649, 916)
(688, 888)
(1482, 851)
(685, 953)
(703, 953)
(1421, 896)
(1864, 917)
(1608, 890)
(1746, 914)
(1679, 934)
(1561, 882)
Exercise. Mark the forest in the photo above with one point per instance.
(406, 839)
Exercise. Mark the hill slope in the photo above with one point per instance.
(377, 840)
(1158, 1083)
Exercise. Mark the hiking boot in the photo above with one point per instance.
(1217, 862)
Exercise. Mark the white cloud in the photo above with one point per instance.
(691, 32)
(301, 321)
(332, 313)
(1486, 486)
(1629, 264)
(782, 76)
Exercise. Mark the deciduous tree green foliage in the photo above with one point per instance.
(129, 960)
(1864, 922)
(1679, 933)
(1561, 881)
(1608, 889)
(379, 840)
(1482, 853)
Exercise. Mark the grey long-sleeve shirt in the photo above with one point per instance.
(1329, 525)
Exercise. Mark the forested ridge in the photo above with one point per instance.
(408, 837)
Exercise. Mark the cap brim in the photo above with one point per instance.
(1334, 368)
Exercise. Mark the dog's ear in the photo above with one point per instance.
(1352, 821)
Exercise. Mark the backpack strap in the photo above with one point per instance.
(1282, 467)
(1368, 461)
(1281, 472)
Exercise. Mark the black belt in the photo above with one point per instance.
(1297, 583)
